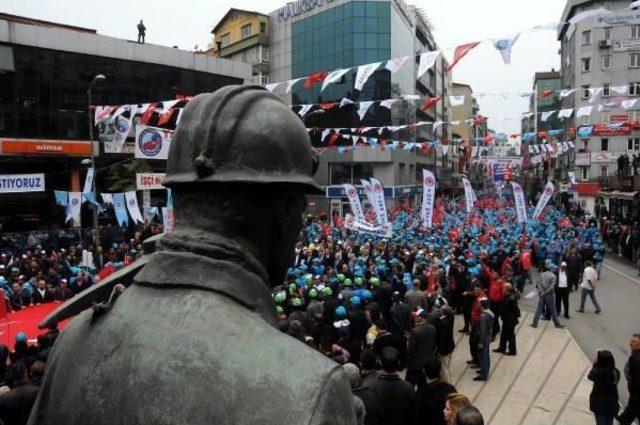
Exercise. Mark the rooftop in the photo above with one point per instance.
(229, 12)
(48, 24)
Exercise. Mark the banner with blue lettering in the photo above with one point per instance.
(120, 207)
(18, 183)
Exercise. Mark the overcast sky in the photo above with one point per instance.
(188, 23)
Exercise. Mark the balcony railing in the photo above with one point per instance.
(621, 183)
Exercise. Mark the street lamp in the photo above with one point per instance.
(97, 80)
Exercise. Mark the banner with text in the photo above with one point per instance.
(149, 181)
(354, 201)
(428, 197)
(521, 206)
(544, 200)
(17, 183)
(152, 142)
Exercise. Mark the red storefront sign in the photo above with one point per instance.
(603, 130)
(45, 147)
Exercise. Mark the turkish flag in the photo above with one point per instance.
(166, 116)
(315, 78)
(479, 120)
(430, 103)
(333, 138)
(148, 113)
(461, 51)
(546, 93)
(488, 138)
(327, 105)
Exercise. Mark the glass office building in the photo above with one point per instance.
(336, 34)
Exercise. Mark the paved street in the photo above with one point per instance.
(546, 382)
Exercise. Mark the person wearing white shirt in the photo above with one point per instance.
(562, 291)
(588, 287)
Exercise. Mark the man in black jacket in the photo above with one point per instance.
(396, 396)
(632, 373)
(431, 399)
(510, 312)
(485, 324)
(575, 267)
(422, 348)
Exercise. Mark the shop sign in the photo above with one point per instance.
(18, 183)
(583, 158)
(619, 118)
(296, 8)
(626, 45)
(604, 130)
(149, 181)
(616, 19)
(45, 147)
(602, 157)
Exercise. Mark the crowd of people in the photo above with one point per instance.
(380, 306)
(385, 309)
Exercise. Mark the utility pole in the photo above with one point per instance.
(98, 79)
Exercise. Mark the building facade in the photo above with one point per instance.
(602, 52)
(45, 72)
(324, 35)
(243, 36)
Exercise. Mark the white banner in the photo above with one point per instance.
(149, 181)
(152, 142)
(504, 46)
(352, 223)
(394, 65)
(132, 206)
(380, 204)
(469, 196)
(521, 206)
(572, 177)
(88, 181)
(354, 201)
(18, 183)
(368, 191)
(107, 198)
(363, 107)
(167, 219)
(333, 77)
(121, 131)
(544, 200)
(428, 197)
(427, 60)
(363, 74)
(73, 209)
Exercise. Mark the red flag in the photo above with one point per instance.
(542, 134)
(479, 120)
(165, 116)
(148, 113)
(430, 103)
(315, 78)
(333, 138)
(461, 51)
(488, 138)
(514, 135)
(327, 105)
(546, 93)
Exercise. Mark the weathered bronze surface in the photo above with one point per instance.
(193, 340)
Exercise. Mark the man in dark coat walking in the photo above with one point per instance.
(431, 399)
(194, 338)
(422, 348)
(510, 312)
(396, 396)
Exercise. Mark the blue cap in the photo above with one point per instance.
(21, 337)
(341, 312)
(355, 301)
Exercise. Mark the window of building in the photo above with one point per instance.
(585, 91)
(585, 120)
(585, 144)
(634, 89)
(634, 60)
(225, 40)
(586, 64)
(246, 31)
(263, 27)
(361, 171)
(604, 145)
(339, 173)
(633, 144)
(585, 173)
(634, 115)
(265, 54)
(606, 63)
(606, 89)
(607, 33)
(586, 37)
(604, 171)
(635, 31)
(605, 117)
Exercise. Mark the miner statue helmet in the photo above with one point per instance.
(241, 135)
